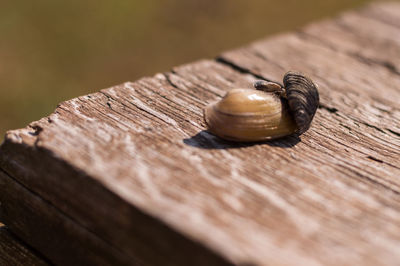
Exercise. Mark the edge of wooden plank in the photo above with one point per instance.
(67, 241)
(14, 252)
(52, 233)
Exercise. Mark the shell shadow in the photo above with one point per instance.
(206, 140)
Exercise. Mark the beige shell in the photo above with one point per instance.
(249, 115)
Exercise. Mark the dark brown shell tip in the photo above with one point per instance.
(303, 98)
(267, 86)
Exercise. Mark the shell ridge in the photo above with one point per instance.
(303, 98)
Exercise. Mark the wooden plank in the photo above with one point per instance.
(354, 30)
(52, 232)
(387, 13)
(133, 165)
(14, 252)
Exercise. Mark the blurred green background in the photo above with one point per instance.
(53, 50)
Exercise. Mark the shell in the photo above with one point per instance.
(267, 86)
(250, 115)
(303, 98)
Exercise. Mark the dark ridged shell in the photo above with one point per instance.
(303, 98)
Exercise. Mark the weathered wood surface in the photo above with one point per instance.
(132, 167)
(14, 253)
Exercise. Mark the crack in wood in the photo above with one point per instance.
(393, 132)
(372, 126)
(374, 159)
(238, 68)
(167, 78)
(36, 130)
(328, 108)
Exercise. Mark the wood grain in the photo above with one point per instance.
(14, 253)
(133, 165)
(50, 231)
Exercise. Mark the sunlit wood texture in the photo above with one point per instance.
(128, 174)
